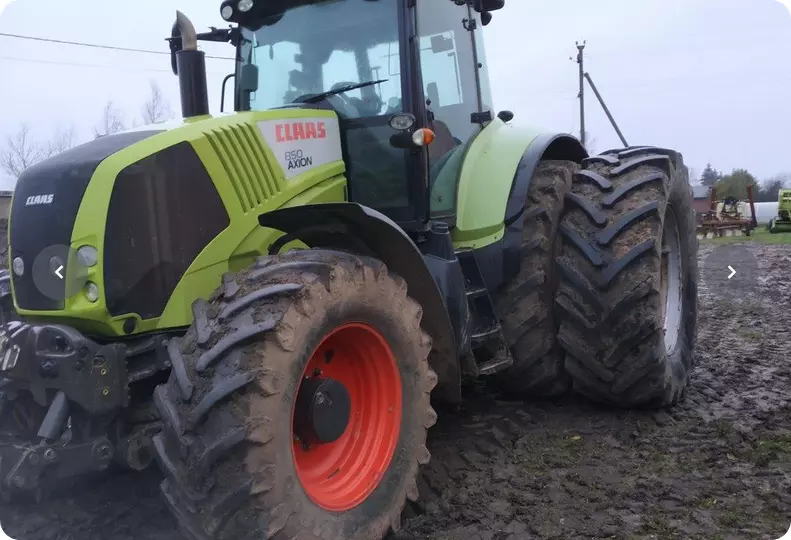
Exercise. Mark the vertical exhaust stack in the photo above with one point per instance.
(191, 68)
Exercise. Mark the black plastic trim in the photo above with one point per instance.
(441, 260)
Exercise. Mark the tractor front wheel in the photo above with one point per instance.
(298, 403)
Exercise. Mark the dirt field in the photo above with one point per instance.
(716, 467)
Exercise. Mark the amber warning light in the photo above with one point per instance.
(423, 137)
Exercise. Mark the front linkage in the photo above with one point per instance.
(67, 405)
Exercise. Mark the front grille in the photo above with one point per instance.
(45, 205)
(243, 156)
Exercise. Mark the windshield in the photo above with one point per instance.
(320, 47)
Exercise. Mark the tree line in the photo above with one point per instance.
(22, 150)
(735, 184)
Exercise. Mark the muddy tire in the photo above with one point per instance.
(628, 265)
(236, 465)
(525, 304)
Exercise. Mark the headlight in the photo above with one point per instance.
(88, 256)
(92, 291)
(245, 5)
(402, 121)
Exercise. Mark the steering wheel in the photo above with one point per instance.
(364, 106)
(338, 103)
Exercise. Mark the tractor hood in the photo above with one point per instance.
(150, 202)
(46, 200)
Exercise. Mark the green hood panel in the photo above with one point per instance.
(485, 182)
(257, 162)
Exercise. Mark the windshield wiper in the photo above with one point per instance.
(340, 90)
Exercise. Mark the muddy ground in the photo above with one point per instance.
(718, 466)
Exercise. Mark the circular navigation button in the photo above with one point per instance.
(57, 273)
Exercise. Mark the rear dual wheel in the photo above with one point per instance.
(627, 300)
(298, 403)
(525, 305)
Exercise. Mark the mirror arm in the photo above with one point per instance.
(232, 35)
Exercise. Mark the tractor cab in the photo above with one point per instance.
(360, 58)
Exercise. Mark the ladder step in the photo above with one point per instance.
(482, 335)
(495, 365)
(477, 292)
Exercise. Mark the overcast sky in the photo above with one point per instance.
(710, 78)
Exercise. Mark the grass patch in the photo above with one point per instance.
(758, 236)
(723, 428)
(771, 449)
(658, 525)
(734, 519)
(707, 503)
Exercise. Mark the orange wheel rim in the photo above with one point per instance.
(341, 474)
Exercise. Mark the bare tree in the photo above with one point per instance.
(20, 152)
(62, 140)
(590, 143)
(156, 108)
(112, 121)
(694, 176)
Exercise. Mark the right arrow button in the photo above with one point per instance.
(733, 272)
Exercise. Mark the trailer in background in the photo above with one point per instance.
(728, 217)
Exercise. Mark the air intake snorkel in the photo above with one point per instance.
(190, 65)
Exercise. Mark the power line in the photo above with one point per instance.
(98, 46)
(75, 64)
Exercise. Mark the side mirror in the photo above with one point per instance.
(488, 5)
(248, 78)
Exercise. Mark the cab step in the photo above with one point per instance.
(487, 338)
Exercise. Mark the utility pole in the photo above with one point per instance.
(580, 62)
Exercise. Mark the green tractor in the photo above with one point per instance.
(268, 303)
(782, 223)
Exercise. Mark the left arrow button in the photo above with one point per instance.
(59, 271)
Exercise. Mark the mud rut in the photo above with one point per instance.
(716, 467)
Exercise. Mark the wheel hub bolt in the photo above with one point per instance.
(50, 455)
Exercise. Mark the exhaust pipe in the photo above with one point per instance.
(191, 68)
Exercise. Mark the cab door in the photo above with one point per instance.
(455, 84)
(390, 180)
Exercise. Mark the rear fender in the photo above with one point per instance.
(547, 146)
(493, 186)
(359, 229)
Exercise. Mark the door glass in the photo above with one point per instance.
(446, 61)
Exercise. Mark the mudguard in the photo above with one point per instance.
(492, 189)
(544, 147)
(357, 228)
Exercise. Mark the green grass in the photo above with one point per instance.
(758, 236)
